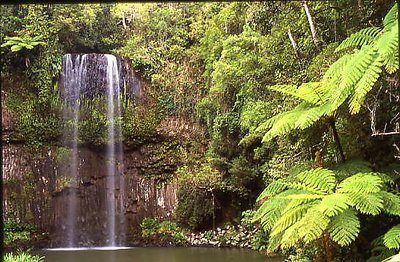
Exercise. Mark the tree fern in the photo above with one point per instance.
(303, 207)
(392, 238)
(361, 183)
(391, 203)
(367, 203)
(391, 17)
(363, 37)
(308, 92)
(350, 79)
(289, 217)
(313, 224)
(334, 204)
(319, 179)
(344, 227)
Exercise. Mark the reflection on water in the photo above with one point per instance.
(156, 255)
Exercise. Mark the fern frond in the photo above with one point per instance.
(300, 117)
(344, 227)
(392, 238)
(379, 251)
(270, 211)
(351, 167)
(272, 189)
(302, 187)
(285, 89)
(352, 72)
(313, 224)
(275, 242)
(391, 203)
(283, 123)
(361, 183)
(392, 64)
(308, 92)
(365, 36)
(270, 122)
(365, 83)
(304, 197)
(291, 236)
(388, 44)
(334, 204)
(309, 117)
(391, 16)
(311, 92)
(319, 180)
(334, 72)
(367, 203)
(288, 218)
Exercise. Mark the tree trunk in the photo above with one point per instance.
(293, 42)
(123, 20)
(327, 248)
(336, 139)
(311, 23)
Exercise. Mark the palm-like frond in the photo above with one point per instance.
(361, 183)
(365, 36)
(367, 203)
(334, 204)
(272, 189)
(308, 92)
(300, 117)
(305, 206)
(319, 179)
(392, 238)
(391, 17)
(344, 227)
(391, 203)
(289, 217)
(313, 224)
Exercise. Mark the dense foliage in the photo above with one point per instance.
(300, 97)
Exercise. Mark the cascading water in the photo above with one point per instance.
(74, 75)
(84, 78)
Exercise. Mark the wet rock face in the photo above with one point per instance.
(36, 192)
(92, 72)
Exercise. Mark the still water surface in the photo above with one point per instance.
(157, 255)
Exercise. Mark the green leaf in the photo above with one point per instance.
(313, 224)
(16, 48)
(344, 227)
(361, 183)
(392, 238)
(334, 204)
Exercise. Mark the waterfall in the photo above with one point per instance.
(74, 75)
(84, 77)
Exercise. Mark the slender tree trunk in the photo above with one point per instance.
(336, 138)
(311, 23)
(123, 20)
(293, 42)
(327, 248)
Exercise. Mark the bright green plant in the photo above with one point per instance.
(313, 205)
(392, 238)
(350, 79)
(22, 257)
(14, 231)
(18, 43)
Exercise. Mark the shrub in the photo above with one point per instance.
(162, 232)
(22, 257)
(14, 231)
